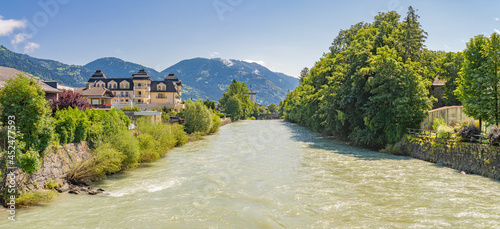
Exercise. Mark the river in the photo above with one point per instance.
(274, 174)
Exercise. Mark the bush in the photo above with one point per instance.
(30, 161)
(125, 142)
(437, 123)
(445, 131)
(221, 115)
(147, 146)
(215, 123)
(35, 197)
(198, 117)
(135, 108)
(469, 133)
(494, 135)
(71, 125)
(105, 160)
(180, 135)
(108, 160)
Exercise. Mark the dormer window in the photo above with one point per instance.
(164, 88)
(159, 87)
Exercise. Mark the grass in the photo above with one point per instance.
(35, 197)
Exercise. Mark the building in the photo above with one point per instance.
(253, 95)
(437, 90)
(6, 73)
(137, 90)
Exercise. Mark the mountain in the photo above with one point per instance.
(209, 78)
(117, 68)
(202, 78)
(45, 69)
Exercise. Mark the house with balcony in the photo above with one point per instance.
(137, 90)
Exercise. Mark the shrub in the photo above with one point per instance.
(469, 133)
(125, 142)
(134, 108)
(215, 123)
(52, 184)
(71, 99)
(437, 123)
(147, 146)
(35, 197)
(105, 160)
(198, 117)
(494, 135)
(221, 115)
(444, 131)
(108, 160)
(29, 161)
(71, 125)
(180, 135)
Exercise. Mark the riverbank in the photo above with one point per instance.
(471, 158)
(59, 164)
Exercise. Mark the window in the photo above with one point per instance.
(139, 84)
(164, 88)
(122, 93)
(102, 85)
(159, 87)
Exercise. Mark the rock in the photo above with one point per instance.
(94, 192)
(63, 188)
(462, 172)
(73, 191)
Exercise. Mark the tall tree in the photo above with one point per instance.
(479, 78)
(239, 90)
(303, 73)
(412, 36)
(23, 101)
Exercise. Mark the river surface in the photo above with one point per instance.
(274, 174)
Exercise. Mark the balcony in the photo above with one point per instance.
(147, 88)
(101, 106)
(142, 96)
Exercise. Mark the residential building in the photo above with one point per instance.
(138, 90)
(6, 73)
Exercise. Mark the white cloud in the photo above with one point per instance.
(497, 19)
(213, 54)
(8, 26)
(227, 62)
(20, 37)
(497, 31)
(30, 47)
(261, 62)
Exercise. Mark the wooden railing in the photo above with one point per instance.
(422, 133)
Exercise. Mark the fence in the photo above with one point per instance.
(431, 134)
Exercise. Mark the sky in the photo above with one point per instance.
(284, 36)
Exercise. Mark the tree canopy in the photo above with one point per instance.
(370, 86)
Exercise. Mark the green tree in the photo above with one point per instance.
(303, 73)
(272, 108)
(479, 78)
(23, 101)
(234, 108)
(239, 91)
(449, 65)
(198, 117)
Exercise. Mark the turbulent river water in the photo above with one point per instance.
(274, 174)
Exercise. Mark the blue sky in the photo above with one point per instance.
(284, 36)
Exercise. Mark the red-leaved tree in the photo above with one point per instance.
(72, 99)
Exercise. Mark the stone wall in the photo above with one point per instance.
(472, 158)
(56, 164)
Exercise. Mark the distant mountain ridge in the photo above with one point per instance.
(202, 78)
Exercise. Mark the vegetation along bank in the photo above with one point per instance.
(374, 84)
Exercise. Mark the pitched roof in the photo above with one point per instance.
(98, 75)
(7, 73)
(171, 76)
(96, 92)
(170, 87)
(141, 75)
